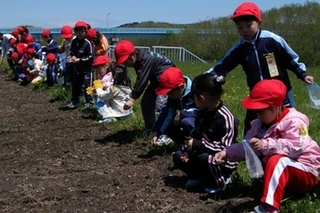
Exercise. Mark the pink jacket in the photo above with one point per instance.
(288, 137)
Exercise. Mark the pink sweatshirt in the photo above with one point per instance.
(288, 137)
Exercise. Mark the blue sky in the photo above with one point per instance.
(106, 13)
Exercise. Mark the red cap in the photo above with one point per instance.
(66, 32)
(91, 34)
(266, 93)
(50, 58)
(45, 32)
(14, 55)
(170, 79)
(29, 39)
(12, 41)
(247, 9)
(31, 51)
(101, 60)
(81, 24)
(22, 48)
(15, 32)
(20, 30)
(122, 51)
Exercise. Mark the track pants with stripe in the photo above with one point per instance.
(282, 172)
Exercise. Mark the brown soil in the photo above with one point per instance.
(58, 161)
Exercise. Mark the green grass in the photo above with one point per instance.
(235, 90)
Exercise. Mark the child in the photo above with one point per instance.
(101, 45)
(68, 68)
(179, 112)
(148, 66)
(262, 55)
(5, 45)
(215, 129)
(101, 66)
(116, 95)
(33, 71)
(52, 45)
(81, 53)
(280, 137)
(52, 69)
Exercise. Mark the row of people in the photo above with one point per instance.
(209, 152)
(194, 115)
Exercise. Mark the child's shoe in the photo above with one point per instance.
(107, 120)
(73, 105)
(164, 140)
(218, 190)
(260, 209)
(194, 185)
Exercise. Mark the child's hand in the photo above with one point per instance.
(128, 104)
(185, 158)
(256, 144)
(188, 144)
(176, 120)
(220, 156)
(154, 139)
(308, 79)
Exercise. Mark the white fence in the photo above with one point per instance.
(173, 53)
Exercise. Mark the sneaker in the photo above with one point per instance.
(164, 140)
(107, 120)
(88, 106)
(260, 209)
(194, 185)
(217, 190)
(73, 105)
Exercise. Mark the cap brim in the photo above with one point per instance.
(247, 103)
(162, 91)
(66, 36)
(121, 60)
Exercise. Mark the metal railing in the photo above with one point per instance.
(173, 53)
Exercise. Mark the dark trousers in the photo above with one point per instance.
(148, 105)
(69, 74)
(198, 167)
(79, 80)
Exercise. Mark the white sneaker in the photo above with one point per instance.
(88, 106)
(260, 209)
(73, 105)
(107, 120)
(164, 140)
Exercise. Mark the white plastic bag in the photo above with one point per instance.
(252, 161)
(314, 95)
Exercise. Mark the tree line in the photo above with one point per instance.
(298, 24)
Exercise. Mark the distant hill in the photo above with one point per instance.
(151, 24)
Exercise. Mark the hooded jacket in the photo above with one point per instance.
(288, 137)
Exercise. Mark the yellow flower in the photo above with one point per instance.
(97, 84)
(89, 90)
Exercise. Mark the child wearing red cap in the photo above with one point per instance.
(280, 137)
(52, 46)
(148, 66)
(33, 71)
(215, 129)
(68, 68)
(81, 53)
(113, 96)
(52, 69)
(177, 116)
(262, 55)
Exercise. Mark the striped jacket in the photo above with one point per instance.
(214, 131)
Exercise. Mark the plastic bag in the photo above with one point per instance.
(314, 95)
(252, 161)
